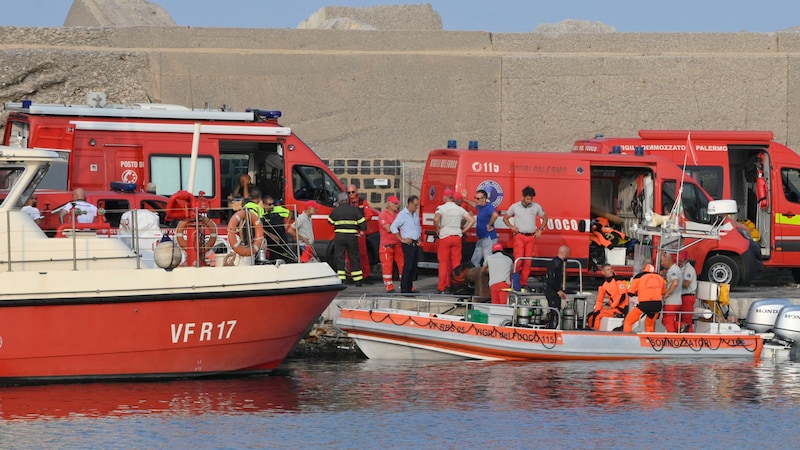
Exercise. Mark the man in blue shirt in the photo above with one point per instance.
(484, 227)
(408, 229)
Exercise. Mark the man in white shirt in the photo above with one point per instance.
(85, 212)
(499, 267)
(688, 291)
(31, 210)
(672, 296)
(303, 231)
(525, 230)
(451, 222)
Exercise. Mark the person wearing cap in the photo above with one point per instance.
(303, 231)
(498, 264)
(462, 201)
(450, 222)
(363, 206)
(672, 297)
(688, 291)
(526, 229)
(617, 303)
(391, 251)
(649, 287)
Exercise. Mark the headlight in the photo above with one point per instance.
(744, 231)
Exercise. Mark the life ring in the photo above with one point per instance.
(237, 226)
(181, 205)
(208, 244)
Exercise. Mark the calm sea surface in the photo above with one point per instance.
(364, 404)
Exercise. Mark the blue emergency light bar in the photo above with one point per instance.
(265, 113)
(121, 186)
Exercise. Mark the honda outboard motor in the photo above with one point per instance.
(787, 325)
(763, 313)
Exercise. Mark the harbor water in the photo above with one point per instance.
(368, 404)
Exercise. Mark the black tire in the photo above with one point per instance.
(796, 274)
(721, 269)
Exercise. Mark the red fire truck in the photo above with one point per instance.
(143, 143)
(762, 175)
(573, 190)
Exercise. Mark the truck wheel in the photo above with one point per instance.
(721, 269)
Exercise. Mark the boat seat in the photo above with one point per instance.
(609, 323)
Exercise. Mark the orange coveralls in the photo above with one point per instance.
(618, 301)
(650, 288)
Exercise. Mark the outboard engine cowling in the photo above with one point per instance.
(762, 313)
(787, 325)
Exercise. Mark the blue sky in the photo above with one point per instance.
(498, 15)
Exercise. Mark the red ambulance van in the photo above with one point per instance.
(576, 188)
(762, 175)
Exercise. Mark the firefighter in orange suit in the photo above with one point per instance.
(617, 294)
(650, 288)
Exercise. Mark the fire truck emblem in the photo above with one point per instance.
(494, 190)
(129, 176)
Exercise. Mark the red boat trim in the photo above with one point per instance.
(139, 298)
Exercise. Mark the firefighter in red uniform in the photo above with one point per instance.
(391, 249)
(617, 298)
(650, 288)
(355, 200)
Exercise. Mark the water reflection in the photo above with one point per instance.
(184, 397)
(512, 386)
(368, 404)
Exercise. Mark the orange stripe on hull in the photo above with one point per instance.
(449, 336)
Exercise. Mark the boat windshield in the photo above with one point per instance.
(11, 175)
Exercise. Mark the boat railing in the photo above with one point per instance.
(422, 303)
(522, 312)
(568, 262)
(113, 224)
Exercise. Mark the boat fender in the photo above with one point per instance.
(237, 230)
(181, 234)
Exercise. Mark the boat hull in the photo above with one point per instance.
(193, 331)
(378, 333)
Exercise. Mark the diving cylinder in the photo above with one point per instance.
(568, 318)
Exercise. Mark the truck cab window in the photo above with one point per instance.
(313, 183)
(694, 203)
(790, 181)
(709, 178)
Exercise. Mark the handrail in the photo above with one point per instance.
(568, 261)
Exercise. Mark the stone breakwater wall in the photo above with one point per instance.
(395, 95)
